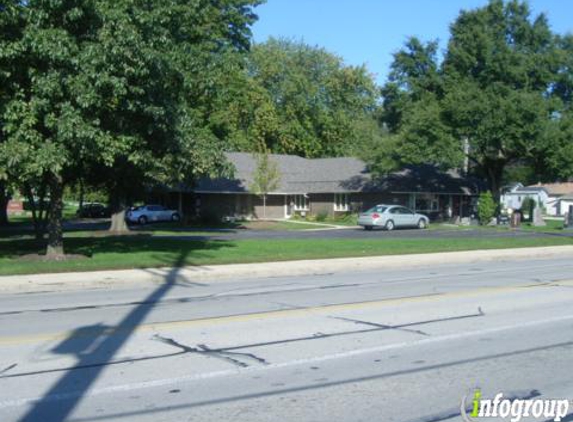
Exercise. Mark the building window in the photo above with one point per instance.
(300, 202)
(341, 202)
(427, 202)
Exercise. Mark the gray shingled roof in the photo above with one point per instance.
(327, 175)
(536, 189)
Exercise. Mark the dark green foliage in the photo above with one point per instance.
(119, 93)
(299, 99)
(321, 216)
(486, 208)
(528, 205)
(503, 91)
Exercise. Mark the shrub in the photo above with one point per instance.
(321, 216)
(210, 217)
(528, 204)
(346, 217)
(486, 208)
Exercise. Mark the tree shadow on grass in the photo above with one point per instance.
(118, 245)
(94, 343)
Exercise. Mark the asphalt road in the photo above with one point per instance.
(394, 345)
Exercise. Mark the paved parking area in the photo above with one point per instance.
(327, 233)
(359, 233)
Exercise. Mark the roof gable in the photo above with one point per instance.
(556, 188)
(343, 174)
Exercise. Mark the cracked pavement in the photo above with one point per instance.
(405, 343)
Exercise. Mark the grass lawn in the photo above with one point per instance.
(551, 225)
(68, 212)
(25, 217)
(146, 251)
(346, 220)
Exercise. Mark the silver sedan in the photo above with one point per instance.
(151, 213)
(391, 216)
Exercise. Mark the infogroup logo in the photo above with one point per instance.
(513, 409)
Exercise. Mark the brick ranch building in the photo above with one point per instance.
(328, 186)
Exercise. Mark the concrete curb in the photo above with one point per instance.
(126, 278)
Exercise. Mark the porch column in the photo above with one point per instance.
(413, 201)
(451, 206)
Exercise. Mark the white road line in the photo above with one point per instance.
(306, 361)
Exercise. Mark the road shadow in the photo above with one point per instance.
(94, 343)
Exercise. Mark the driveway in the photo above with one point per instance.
(359, 233)
(327, 233)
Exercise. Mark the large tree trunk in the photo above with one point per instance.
(264, 206)
(118, 223)
(55, 249)
(3, 205)
(39, 212)
(81, 198)
(494, 171)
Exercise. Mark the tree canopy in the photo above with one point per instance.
(120, 89)
(300, 99)
(501, 96)
(127, 94)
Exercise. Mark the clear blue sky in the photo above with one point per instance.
(369, 31)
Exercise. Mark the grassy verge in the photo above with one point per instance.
(551, 226)
(68, 212)
(145, 251)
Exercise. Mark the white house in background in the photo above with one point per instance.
(559, 198)
(565, 202)
(514, 196)
(555, 198)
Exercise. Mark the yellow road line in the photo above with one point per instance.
(313, 310)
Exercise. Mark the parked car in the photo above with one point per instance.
(93, 210)
(391, 216)
(151, 213)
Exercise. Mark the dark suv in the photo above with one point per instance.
(94, 210)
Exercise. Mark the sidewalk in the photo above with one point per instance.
(117, 278)
(327, 226)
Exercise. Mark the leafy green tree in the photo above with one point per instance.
(486, 208)
(10, 28)
(266, 177)
(187, 53)
(41, 122)
(302, 100)
(498, 99)
(414, 74)
(527, 206)
(119, 91)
